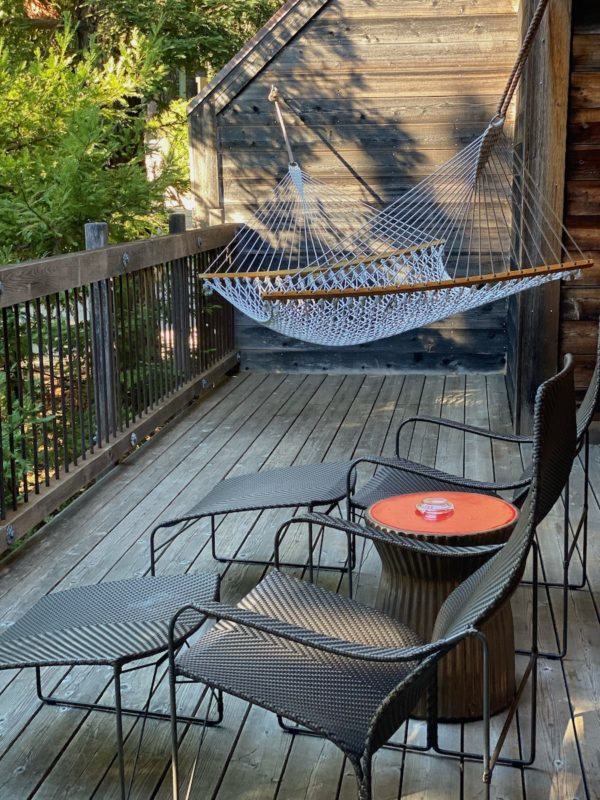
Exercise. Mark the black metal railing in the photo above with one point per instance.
(82, 365)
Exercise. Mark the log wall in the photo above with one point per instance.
(580, 300)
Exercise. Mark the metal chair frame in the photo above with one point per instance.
(570, 541)
(358, 530)
(186, 521)
(427, 653)
(119, 711)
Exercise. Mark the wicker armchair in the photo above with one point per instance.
(348, 672)
(399, 476)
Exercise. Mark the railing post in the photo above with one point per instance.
(180, 305)
(103, 345)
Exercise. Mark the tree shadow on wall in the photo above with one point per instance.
(366, 128)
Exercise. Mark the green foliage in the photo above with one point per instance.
(17, 441)
(76, 130)
(73, 136)
(195, 33)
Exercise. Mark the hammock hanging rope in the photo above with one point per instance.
(316, 266)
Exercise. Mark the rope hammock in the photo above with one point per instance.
(317, 266)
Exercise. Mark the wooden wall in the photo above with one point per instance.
(580, 300)
(382, 92)
(533, 322)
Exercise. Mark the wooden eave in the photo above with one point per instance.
(258, 51)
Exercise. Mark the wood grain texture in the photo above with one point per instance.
(443, 112)
(541, 127)
(258, 51)
(580, 300)
(51, 497)
(379, 92)
(204, 163)
(257, 422)
(33, 279)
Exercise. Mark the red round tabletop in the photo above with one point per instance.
(473, 514)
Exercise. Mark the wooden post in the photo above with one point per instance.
(204, 163)
(180, 306)
(103, 346)
(541, 132)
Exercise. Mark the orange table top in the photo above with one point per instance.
(473, 513)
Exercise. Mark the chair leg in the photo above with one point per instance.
(432, 713)
(487, 765)
(562, 638)
(582, 524)
(586, 499)
(175, 719)
(364, 778)
(564, 586)
(580, 533)
(174, 742)
(155, 549)
(52, 700)
(530, 673)
(119, 726)
(270, 562)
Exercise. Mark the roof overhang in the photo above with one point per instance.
(258, 51)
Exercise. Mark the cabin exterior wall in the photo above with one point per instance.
(580, 300)
(544, 325)
(381, 92)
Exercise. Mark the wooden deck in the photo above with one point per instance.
(256, 421)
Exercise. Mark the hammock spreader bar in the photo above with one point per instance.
(281, 273)
(428, 286)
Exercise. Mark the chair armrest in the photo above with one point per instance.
(310, 638)
(395, 539)
(420, 469)
(461, 426)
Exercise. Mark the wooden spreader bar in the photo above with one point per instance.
(349, 262)
(472, 280)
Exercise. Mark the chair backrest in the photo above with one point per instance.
(585, 412)
(584, 416)
(553, 451)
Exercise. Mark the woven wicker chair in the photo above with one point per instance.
(351, 673)
(398, 476)
(314, 486)
(306, 486)
(585, 415)
(112, 623)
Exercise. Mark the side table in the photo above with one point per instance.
(414, 585)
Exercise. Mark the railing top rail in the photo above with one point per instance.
(32, 279)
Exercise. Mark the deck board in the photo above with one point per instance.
(259, 421)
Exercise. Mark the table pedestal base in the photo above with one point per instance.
(414, 593)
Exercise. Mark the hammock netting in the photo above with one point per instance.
(316, 266)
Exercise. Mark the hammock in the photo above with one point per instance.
(318, 267)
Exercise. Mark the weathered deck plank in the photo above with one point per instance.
(258, 422)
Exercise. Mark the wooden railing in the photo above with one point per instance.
(98, 349)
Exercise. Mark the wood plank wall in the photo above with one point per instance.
(533, 321)
(383, 91)
(580, 300)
